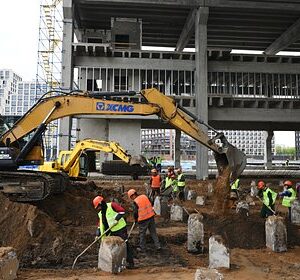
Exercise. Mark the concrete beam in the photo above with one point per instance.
(290, 36)
(134, 63)
(188, 65)
(188, 3)
(255, 4)
(187, 31)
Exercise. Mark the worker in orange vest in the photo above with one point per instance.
(155, 182)
(144, 214)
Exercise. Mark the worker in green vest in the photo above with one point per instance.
(158, 163)
(288, 196)
(268, 198)
(180, 183)
(111, 218)
(168, 183)
(234, 195)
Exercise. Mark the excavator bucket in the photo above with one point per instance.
(232, 157)
(138, 160)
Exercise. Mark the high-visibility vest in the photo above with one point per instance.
(145, 209)
(168, 182)
(155, 183)
(180, 184)
(288, 200)
(110, 217)
(158, 160)
(266, 200)
(235, 184)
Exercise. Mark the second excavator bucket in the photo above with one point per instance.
(138, 160)
(232, 157)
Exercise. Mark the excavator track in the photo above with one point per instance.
(30, 186)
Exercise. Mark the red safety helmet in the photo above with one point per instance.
(131, 192)
(288, 183)
(97, 200)
(261, 185)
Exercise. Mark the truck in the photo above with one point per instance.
(22, 143)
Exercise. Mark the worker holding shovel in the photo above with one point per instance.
(111, 221)
(268, 198)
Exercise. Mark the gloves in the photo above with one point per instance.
(98, 232)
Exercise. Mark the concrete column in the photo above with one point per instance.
(268, 149)
(64, 141)
(201, 86)
(177, 148)
(127, 133)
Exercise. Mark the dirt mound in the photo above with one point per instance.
(238, 231)
(54, 231)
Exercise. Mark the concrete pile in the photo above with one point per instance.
(276, 235)
(218, 253)
(195, 240)
(112, 255)
(178, 214)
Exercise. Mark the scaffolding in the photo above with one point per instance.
(49, 62)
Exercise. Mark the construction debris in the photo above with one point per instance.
(200, 200)
(208, 274)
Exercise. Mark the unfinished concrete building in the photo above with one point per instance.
(105, 49)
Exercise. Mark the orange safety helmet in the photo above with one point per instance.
(97, 200)
(131, 192)
(261, 185)
(288, 183)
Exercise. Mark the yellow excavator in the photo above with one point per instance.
(75, 162)
(16, 150)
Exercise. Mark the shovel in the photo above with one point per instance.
(130, 231)
(266, 205)
(95, 241)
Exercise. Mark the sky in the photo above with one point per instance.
(19, 34)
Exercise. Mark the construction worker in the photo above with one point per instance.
(144, 214)
(111, 216)
(158, 163)
(298, 190)
(268, 199)
(288, 196)
(155, 182)
(169, 182)
(234, 189)
(180, 183)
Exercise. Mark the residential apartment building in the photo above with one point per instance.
(8, 87)
(161, 141)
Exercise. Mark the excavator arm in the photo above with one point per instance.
(103, 146)
(77, 103)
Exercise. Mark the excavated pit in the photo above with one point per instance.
(51, 233)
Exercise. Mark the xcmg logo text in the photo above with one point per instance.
(101, 106)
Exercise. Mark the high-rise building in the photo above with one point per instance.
(161, 141)
(23, 98)
(8, 87)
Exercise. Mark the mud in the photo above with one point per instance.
(50, 234)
